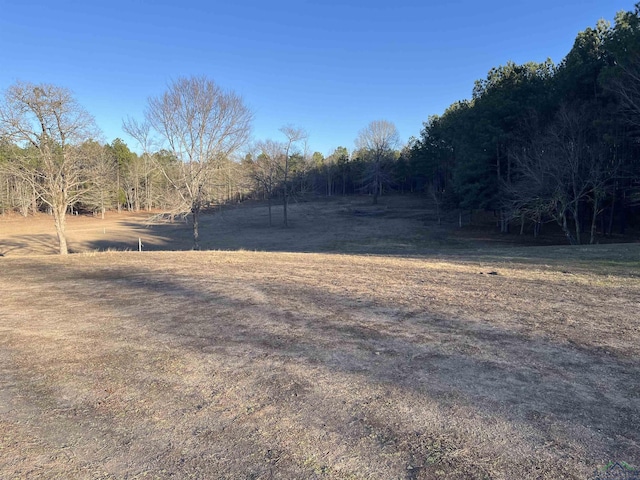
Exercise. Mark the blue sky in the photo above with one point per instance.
(328, 66)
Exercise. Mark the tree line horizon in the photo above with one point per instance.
(536, 143)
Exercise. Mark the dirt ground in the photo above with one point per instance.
(486, 363)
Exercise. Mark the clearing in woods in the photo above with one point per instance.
(501, 363)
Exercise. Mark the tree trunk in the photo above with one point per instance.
(34, 200)
(195, 211)
(612, 210)
(376, 188)
(594, 219)
(59, 218)
(285, 203)
(565, 229)
(285, 187)
(136, 193)
(148, 189)
(504, 222)
(118, 188)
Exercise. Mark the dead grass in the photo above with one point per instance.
(290, 365)
(452, 356)
(400, 225)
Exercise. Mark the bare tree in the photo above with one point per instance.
(140, 169)
(559, 171)
(293, 135)
(436, 192)
(266, 167)
(49, 120)
(377, 141)
(200, 123)
(103, 173)
(531, 194)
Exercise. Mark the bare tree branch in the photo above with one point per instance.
(377, 140)
(49, 120)
(201, 124)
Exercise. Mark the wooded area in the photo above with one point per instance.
(537, 143)
(546, 143)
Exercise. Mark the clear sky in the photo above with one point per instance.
(328, 66)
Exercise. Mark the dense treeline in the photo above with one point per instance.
(537, 143)
(540, 142)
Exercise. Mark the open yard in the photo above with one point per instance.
(444, 362)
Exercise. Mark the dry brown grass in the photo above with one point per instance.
(400, 225)
(259, 365)
(283, 365)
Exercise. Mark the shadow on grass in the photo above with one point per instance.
(566, 394)
(40, 244)
(336, 227)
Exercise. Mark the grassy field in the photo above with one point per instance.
(399, 225)
(397, 350)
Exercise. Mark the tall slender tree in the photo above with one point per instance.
(265, 169)
(293, 135)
